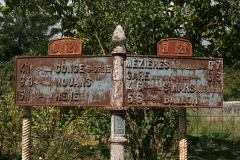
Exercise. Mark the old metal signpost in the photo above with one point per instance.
(63, 81)
(171, 79)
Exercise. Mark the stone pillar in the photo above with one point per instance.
(117, 138)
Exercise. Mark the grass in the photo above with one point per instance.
(212, 136)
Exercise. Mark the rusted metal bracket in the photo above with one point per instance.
(26, 132)
(182, 134)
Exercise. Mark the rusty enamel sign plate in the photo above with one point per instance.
(174, 47)
(65, 46)
(173, 82)
(63, 81)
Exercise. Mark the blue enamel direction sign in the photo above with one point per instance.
(149, 81)
(173, 82)
(63, 81)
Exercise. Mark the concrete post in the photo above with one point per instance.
(26, 133)
(182, 134)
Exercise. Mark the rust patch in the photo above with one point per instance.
(65, 46)
(117, 83)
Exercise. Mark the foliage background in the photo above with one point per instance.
(212, 26)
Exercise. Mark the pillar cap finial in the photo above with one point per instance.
(118, 40)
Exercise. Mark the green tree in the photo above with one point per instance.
(10, 127)
(232, 82)
(146, 23)
(23, 30)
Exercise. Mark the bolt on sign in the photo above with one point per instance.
(63, 80)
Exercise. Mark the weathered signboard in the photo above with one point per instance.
(63, 81)
(173, 82)
(171, 79)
